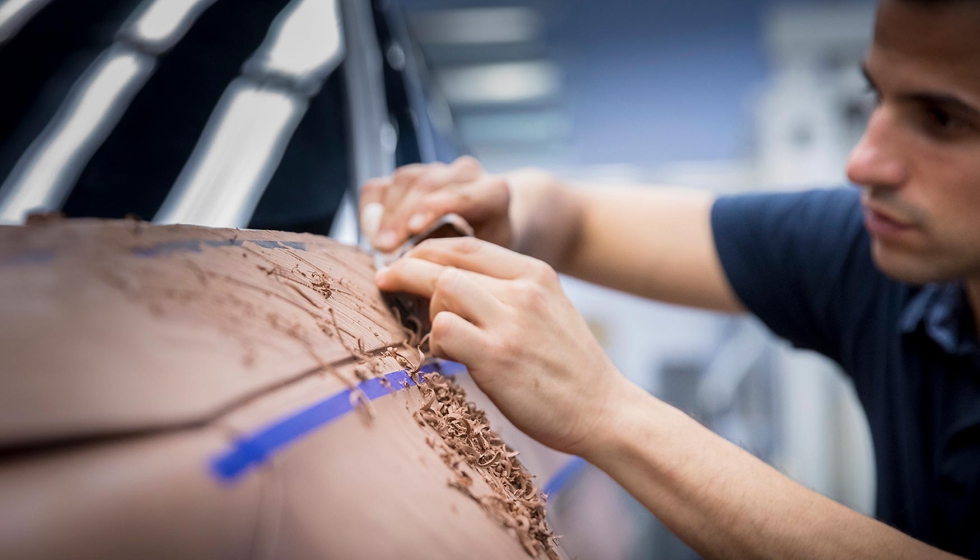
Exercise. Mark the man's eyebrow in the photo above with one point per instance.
(949, 103)
(944, 100)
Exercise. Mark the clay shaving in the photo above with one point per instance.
(467, 438)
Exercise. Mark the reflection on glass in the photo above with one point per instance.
(15, 13)
(48, 169)
(303, 43)
(159, 24)
(248, 133)
(470, 26)
(504, 82)
(235, 158)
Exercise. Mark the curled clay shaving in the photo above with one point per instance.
(415, 337)
(516, 502)
(321, 284)
(414, 340)
(424, 343)
(412, 369)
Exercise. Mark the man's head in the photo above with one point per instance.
(919, 160)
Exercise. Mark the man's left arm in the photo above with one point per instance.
(726, 503)
(505, 317)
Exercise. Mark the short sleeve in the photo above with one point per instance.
(799, 261)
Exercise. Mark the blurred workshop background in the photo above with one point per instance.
(230, 114)
(729, 96)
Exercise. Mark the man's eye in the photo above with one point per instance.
(940, 118)
(939, 122)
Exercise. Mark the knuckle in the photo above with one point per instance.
(531, 296)
(466, 199)
(447, 279)
(441, 335)
(400, 176)
(542, 273)
(498, 183)
(406, 173)
(442, 325)
(404, 208)
(467, 163)
(427, 183)
(501, 190)
(439, 204)
(466, 245)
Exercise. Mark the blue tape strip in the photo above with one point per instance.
(565, 475)
(195, 246)
(36, 256)
(42, 256)
(253, 449)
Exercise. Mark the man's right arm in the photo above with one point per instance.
(652, 242)
(656, 243)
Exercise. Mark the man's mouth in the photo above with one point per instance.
(883, 225)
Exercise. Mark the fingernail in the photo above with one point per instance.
(385, 240)
(371, 218)
(417, 222)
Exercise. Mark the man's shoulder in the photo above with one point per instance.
(812, 208)
(803, 233)
(801, 261)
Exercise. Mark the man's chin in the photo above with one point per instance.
(904, 266)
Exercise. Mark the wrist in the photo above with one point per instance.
(622, 411)
(635, 425)
(546, 216)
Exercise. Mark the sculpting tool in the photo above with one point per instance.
(413, 310)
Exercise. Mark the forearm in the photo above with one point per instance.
(724, 502)
(652, 242)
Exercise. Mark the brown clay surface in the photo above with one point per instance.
(121, 326)
(133, 354)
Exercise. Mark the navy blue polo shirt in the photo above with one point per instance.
(802, 263)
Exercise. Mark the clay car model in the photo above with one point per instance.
(236, 388)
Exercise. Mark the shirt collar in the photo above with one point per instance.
(944, 313)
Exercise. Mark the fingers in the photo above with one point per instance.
(371, 206)
(479, 256)
(375, 192)
(391, 232)
(483, 199)
(409, 275)
(405, 193)
(467, 295)
(454, 338)
(371, 218)
(449, 289)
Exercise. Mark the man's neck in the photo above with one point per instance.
(973, 295)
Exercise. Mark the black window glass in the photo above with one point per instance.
(307, 188)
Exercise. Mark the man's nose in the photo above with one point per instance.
(876, 161)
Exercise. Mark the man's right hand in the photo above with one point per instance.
(396, 207)
(652, 242)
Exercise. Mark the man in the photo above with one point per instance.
(885, 280)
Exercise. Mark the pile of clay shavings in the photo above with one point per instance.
(467, 438)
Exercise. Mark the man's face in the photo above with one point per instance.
(919, 161)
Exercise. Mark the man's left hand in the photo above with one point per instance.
(505, 316)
